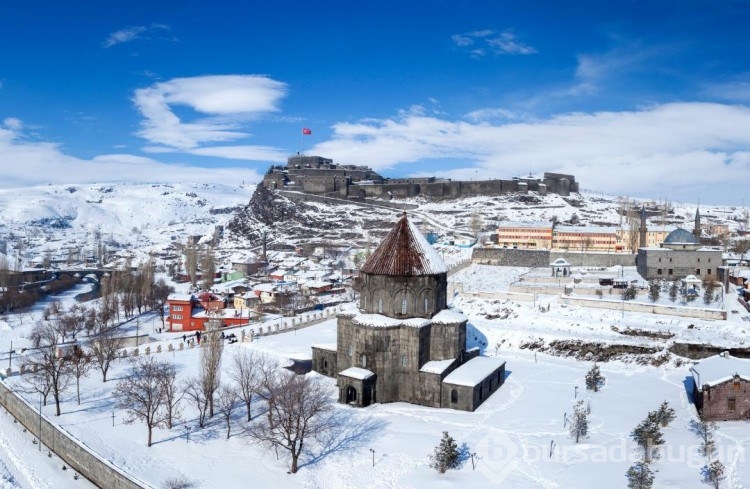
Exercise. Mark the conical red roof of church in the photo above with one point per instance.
(404, 252)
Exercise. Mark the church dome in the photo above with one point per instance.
(680, 236)
(404, 252)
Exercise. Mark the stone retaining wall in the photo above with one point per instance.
(691, 312)
(74, 453)
(516, 257)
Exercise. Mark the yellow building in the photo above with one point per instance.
(655, 236)
(525, 235)
(585, 238)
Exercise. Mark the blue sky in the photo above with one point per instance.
(638, 98)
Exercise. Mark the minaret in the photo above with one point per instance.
(642, 229)
(697, 228)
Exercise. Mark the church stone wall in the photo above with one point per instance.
(447, 341)
(392, 291)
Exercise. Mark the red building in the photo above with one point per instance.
(190, 313)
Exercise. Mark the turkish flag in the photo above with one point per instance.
(306, 131)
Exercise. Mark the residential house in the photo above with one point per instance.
(721, 387)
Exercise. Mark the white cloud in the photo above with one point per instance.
(12, 123)
(132, 33)
(224, 104)
(665, 150)
(506, 43)
(479, 43)
(738, 90)
(36, 163)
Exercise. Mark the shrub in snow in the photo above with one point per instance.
(714, 473)
(648, 436)
(630, 293)
(180, 482)
(446, 455)
(673, 291)
(665, 414)
(640, 476)
(579, 421)
(654, 290)
(594, 379)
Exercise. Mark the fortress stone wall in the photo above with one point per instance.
(321, 176)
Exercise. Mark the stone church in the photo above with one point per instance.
(403, 343)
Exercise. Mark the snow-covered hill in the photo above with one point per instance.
(66, 223)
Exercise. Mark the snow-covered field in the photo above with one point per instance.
(510, 433)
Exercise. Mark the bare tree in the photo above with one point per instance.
(476, 223)
(193, 390)
(208, 267)
(172, 394)
(211, 362)
(50, 370)
(245, 372)
(80, 364)
(158, 299)
(226, 401)
(105, 348)
(300, 410)
(141, 394)
(268, 382)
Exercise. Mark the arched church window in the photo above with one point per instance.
(426, 305)
(454, 396)
(403, 306)
(380, 306)
(363, 360)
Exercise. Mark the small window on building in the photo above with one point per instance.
(659, 259)
(658, 271)
(380, 305)
(699, 260)
(363, 360)
(708, 272)
(697, 271)
(671, 271)
(426, 305)
(351, 350)
(670, 260)
(732, 404)
(403, 306)
(404, 361)
(454, 396)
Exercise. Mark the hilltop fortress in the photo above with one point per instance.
(321, 176)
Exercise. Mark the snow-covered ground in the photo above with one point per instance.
(510, 433)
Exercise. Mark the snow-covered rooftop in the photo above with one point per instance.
(474, 371)
(448, 316)
(525, 224)
(380, 321)
(436, 366)
(720, 368)
(180, 297)
(356, 373)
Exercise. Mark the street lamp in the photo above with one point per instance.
(373, 456)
